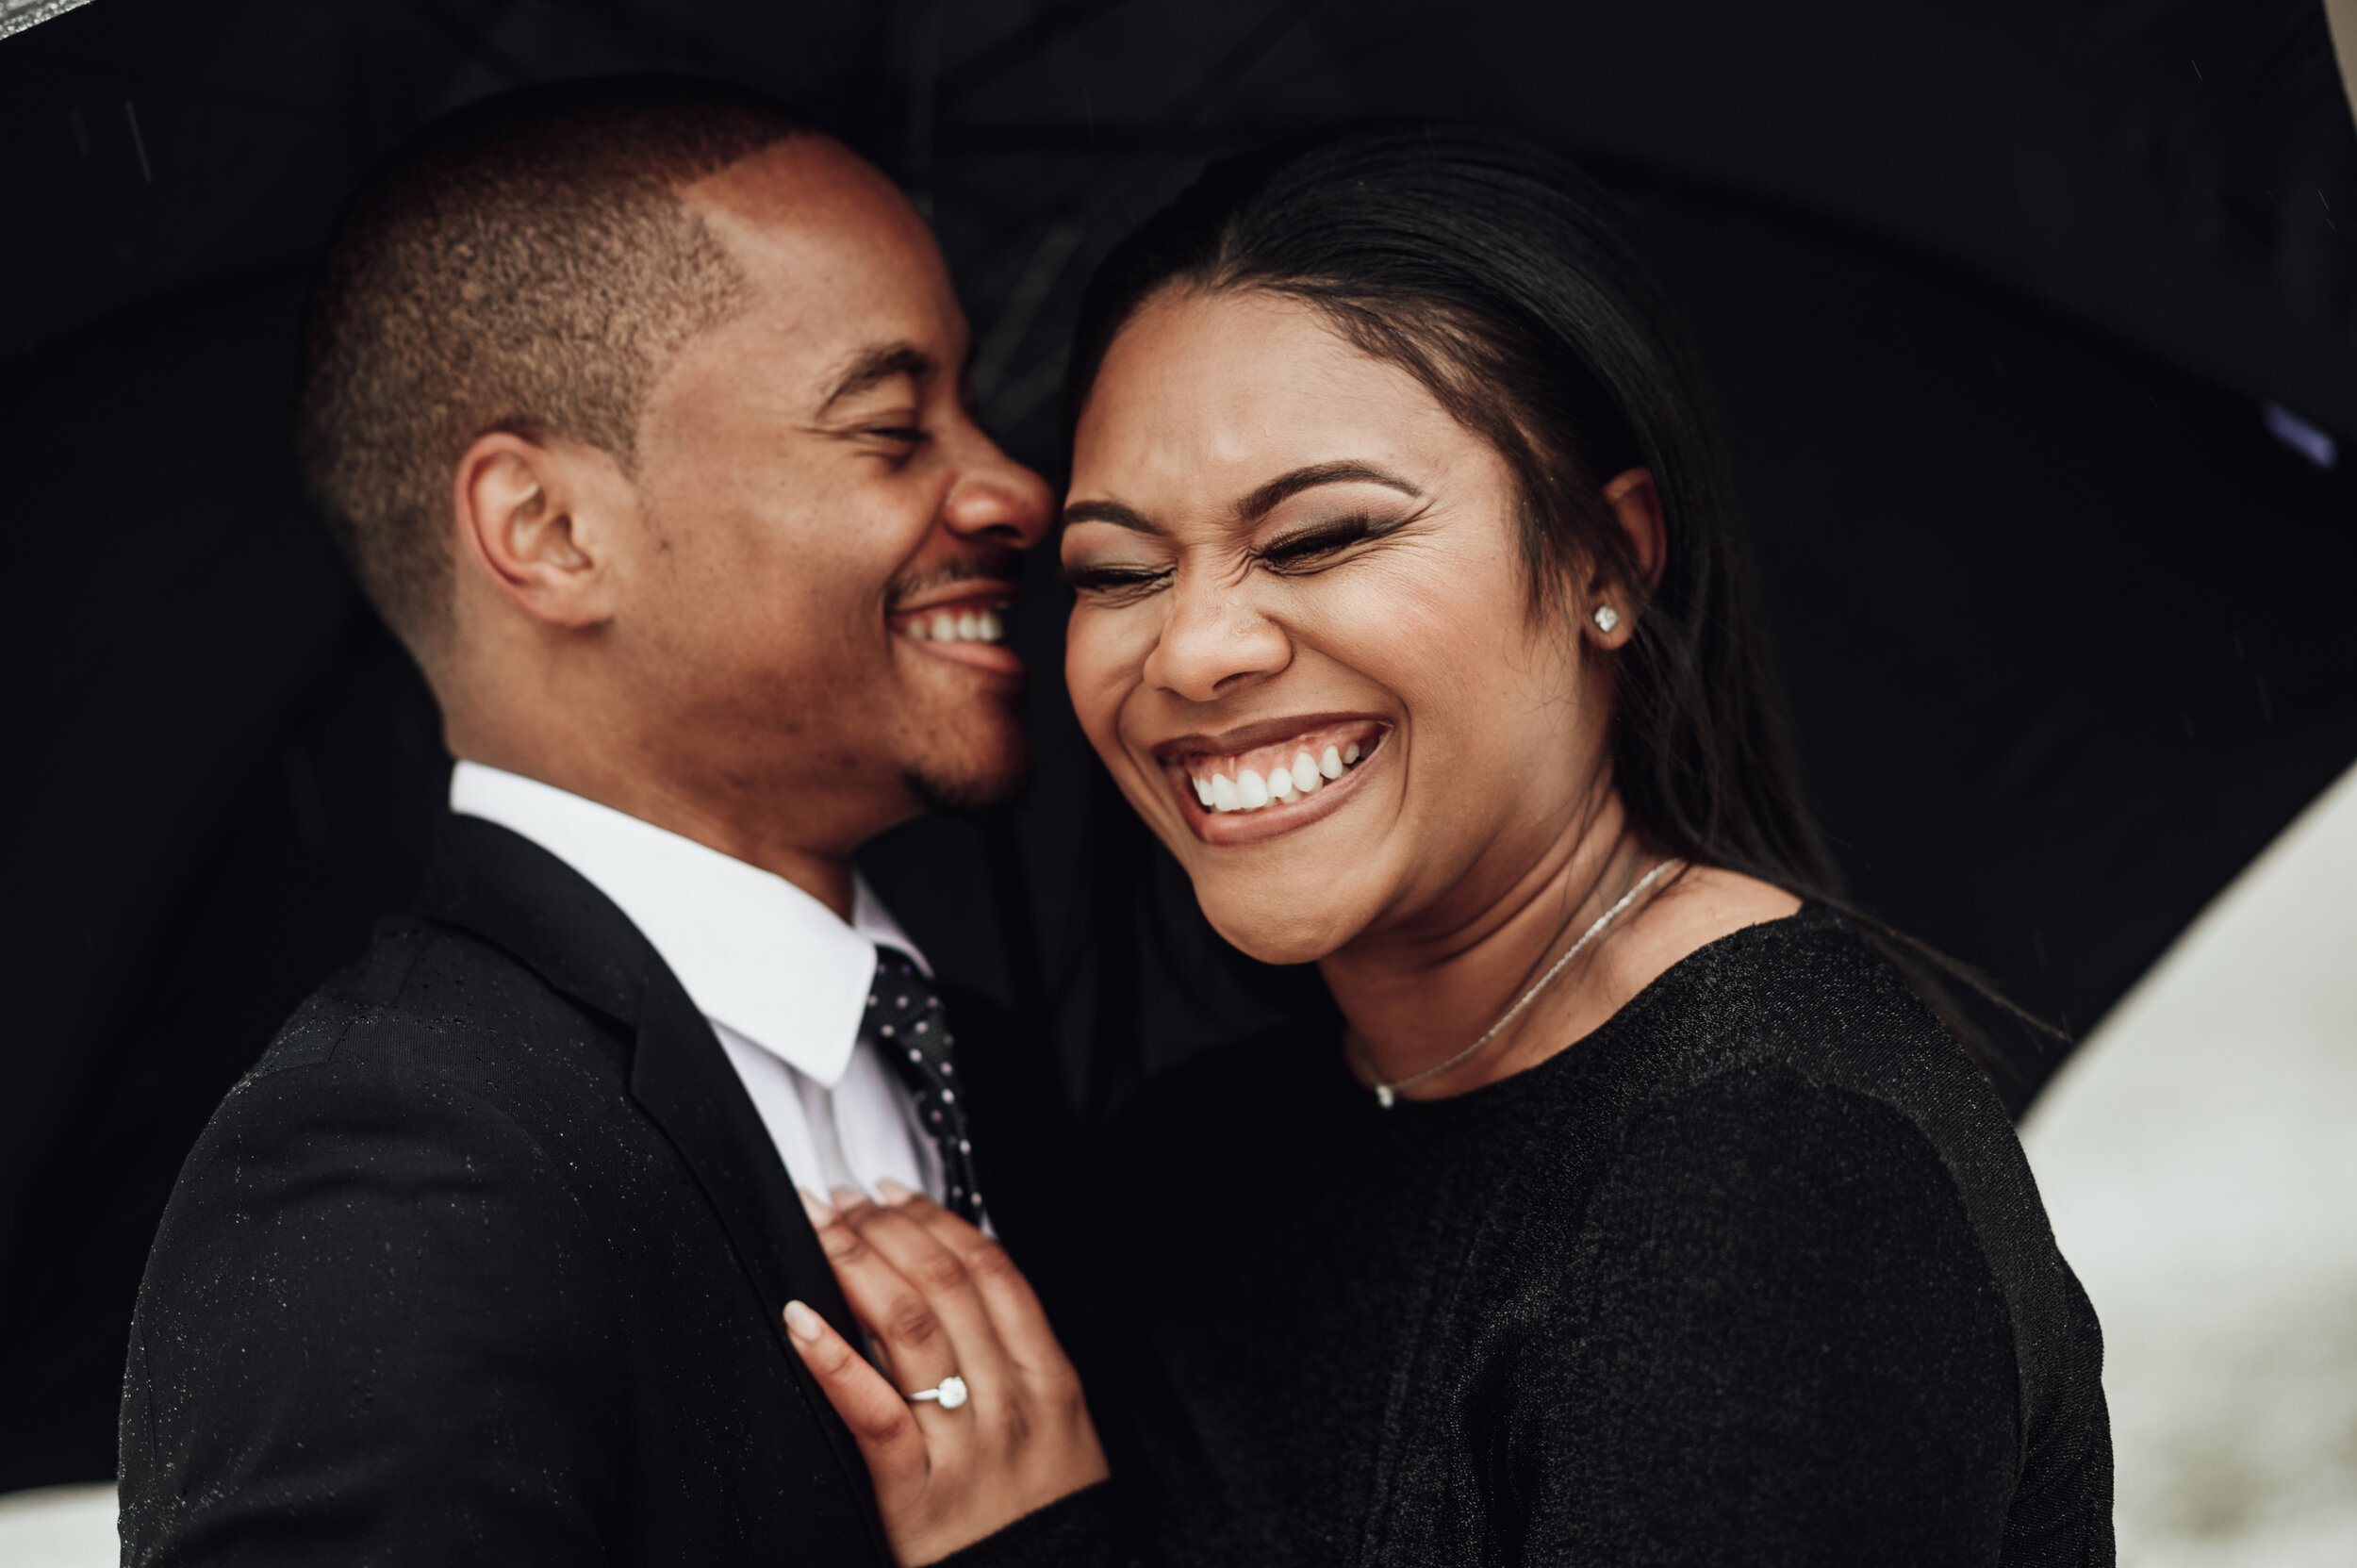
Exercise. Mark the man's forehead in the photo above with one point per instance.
(845, 271)
(807, 200)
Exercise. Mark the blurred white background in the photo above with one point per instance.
(2198, 1157)
(58, 1527)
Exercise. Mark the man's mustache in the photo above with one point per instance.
(991, 564)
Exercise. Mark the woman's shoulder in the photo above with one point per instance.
(1808, 992)
(1792, 1068)
(1771, 1276)
(1758, 1147)
(1803, 1010)
(1788, 1068)
(1810, 1184)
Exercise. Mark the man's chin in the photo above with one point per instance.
(940, 790)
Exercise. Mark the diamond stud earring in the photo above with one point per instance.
(1605, 618)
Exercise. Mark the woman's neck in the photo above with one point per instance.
(1416, 995)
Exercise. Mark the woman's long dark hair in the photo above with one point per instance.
(1500, 276)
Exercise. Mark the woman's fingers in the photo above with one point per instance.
(901, 1326)
(932, 1291)
(1014, 1310)
(872, 1409)
(913, 1295)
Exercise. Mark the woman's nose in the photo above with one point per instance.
(1214, 644)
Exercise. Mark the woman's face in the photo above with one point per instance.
(1302, 641)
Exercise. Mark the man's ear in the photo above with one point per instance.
(524, 510)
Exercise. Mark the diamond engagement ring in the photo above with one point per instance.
(950, 1393)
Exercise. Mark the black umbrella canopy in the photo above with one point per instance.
(2166, 170)
(1998, 301)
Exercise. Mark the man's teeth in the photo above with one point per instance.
(957, 626)
(1249, 791)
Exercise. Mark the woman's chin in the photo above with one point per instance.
(1272, 936)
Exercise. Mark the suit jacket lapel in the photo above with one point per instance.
(510, 892)
(682, 1079)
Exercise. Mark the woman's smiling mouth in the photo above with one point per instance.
(1267, 779)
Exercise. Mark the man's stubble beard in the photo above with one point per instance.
(936, 790)
(957, 797)
(933, 789)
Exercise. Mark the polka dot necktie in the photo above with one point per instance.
(906, 1025)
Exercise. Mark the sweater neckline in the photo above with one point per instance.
(1577, 1057)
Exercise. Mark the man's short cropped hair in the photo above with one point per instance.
(525, 264)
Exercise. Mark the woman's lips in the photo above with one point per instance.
(1246, 793)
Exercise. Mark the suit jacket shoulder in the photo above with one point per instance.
(478, 1264)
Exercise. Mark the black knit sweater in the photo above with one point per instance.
(1754, 1274)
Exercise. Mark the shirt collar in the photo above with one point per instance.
(752, 951)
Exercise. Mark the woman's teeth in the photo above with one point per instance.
(1250, 791)
(957, 626)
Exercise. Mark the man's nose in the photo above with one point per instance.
(997, 499)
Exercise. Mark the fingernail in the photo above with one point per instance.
(820, 1213)
(802, 1322)
(892, 1192)
(849, 1198)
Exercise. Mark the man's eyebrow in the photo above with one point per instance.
(1345, 471)
(1110, 511)
(875, 366)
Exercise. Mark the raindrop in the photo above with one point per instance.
(139, 142)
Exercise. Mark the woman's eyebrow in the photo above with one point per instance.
(1112, 512)
(1259, 503)
(1345, 472)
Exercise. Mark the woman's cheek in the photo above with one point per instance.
(1096, 674)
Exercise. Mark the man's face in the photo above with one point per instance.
(829, 539)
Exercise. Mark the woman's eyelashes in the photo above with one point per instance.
(1299, 552)
(1312, 547)
(1112, 583)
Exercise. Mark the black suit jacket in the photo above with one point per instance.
(484, 1263)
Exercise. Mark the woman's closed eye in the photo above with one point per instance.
(1113, 582)
(1300, 551)
(1312, 547)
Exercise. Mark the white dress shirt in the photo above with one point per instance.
(781, 980)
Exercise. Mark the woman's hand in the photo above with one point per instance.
(940, 1299)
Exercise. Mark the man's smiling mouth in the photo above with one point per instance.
(966, 626)
(959, 626)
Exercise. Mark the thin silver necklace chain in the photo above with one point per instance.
(1385, 1094)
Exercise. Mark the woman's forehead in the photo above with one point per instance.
(1220, 390)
